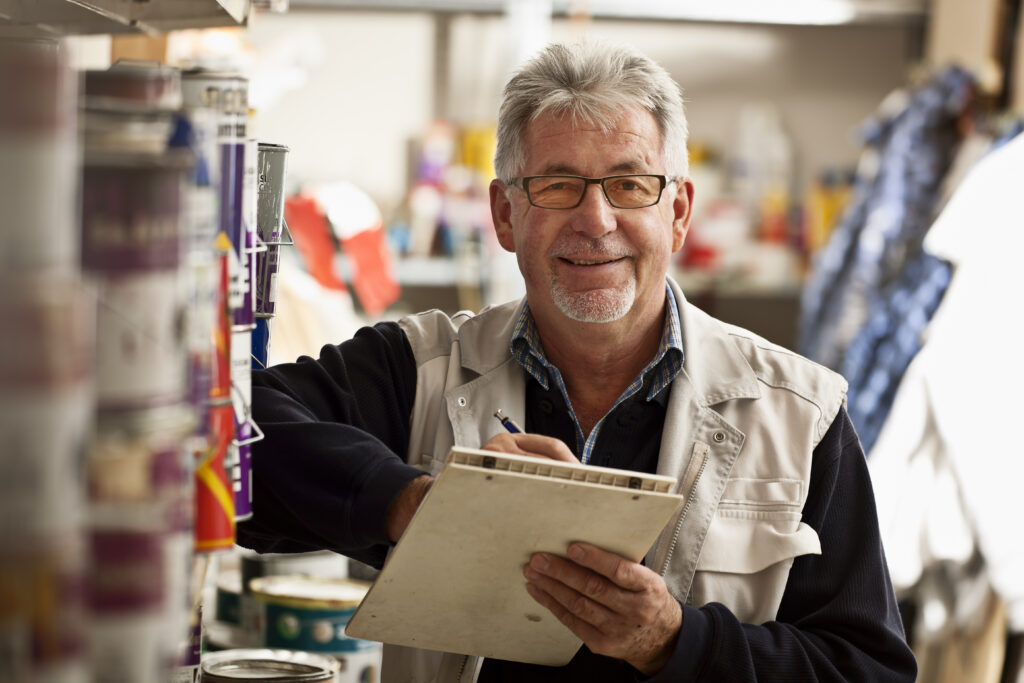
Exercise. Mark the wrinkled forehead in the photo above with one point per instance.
(559, 136)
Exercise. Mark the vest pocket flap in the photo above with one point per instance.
(745, 542)
(763, 493)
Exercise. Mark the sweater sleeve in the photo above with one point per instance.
(838, 620)
(332, 460)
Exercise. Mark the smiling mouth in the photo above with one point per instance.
(591, 262)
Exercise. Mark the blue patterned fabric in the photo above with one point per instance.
(879, 355)
(526, 348)
(908, 153)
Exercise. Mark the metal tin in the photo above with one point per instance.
(280, 666)
(310, 613)
(272, 162)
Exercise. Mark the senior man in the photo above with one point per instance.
(772, 570)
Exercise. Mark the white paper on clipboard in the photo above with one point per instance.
(454, 581)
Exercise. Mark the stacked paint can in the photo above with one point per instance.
(274, 666)
(226, 94)
(139, 462)
(310, 614)
(46, 375)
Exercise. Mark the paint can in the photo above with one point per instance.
(214, 496)
(310, 614)
(46, 406)
(140, 534)
(128, 83)
(271, 228)
(261, 343)
(126, 589)
(249, 246)
(46, 411)
(228, 596)
(323, 564)
(42, 614)
(247, 431)
(227, 95)
(186, 669)
(131, 248)
(280, 666)
(39, 177)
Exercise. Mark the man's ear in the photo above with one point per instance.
(501, 215)
(682, 212)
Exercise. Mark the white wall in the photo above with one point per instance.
(363, 87)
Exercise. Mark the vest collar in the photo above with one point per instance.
(712, 361)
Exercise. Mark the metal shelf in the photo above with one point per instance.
(795, 12)
(54, 18)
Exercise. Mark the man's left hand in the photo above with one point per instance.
(617, 607)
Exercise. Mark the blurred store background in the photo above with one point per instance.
(191, 189)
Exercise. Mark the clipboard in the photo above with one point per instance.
(454, 581)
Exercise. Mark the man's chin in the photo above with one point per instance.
(596, 306)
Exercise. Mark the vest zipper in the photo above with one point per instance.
(682, 515)
(462, 669)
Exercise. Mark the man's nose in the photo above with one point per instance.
(595, 216)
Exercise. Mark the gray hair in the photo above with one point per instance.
(592, 82)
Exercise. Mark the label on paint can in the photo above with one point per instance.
(310, 614)
(141, 355)
(246, 241)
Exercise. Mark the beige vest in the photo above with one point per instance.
(743, 418)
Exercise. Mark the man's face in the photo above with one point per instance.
(594, 263)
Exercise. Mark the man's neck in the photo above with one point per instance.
(599, 360)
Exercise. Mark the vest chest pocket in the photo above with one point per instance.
(754, 537)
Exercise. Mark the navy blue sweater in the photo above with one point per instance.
(333, 459)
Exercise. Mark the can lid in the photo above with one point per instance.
(271, 147)
(283, 666)
(309, 592)
(144, 83)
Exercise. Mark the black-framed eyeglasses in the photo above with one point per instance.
(634, 191)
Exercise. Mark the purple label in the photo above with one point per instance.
(243, 474)
(245, 316)
(130, 218)
(127, 571)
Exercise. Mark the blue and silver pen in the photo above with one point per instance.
(507, 422)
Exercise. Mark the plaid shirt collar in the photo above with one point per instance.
(526, 348)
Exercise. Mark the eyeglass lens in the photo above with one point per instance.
(624, 192)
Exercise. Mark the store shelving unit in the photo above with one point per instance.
(54, 18)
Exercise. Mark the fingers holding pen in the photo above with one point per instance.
(533, 445)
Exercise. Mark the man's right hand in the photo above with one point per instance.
(533, 445)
